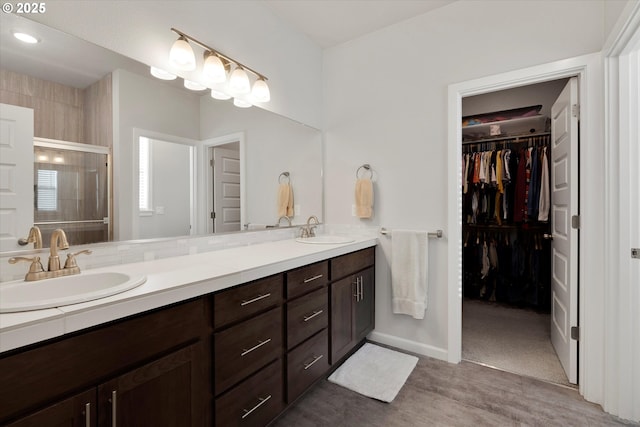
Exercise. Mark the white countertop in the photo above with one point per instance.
(169, 280)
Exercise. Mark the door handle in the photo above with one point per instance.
(114, 408)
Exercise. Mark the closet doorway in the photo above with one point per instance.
(519, 240)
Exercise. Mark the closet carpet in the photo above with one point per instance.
(438, 393)
(513, 339)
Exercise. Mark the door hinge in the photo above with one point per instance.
(575, 222)
(213, 215)
(635, 253)
(575, 333)
(575, 110)
(211, 162)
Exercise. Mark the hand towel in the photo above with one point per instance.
(364, 198)
(285, 200)
(409, 265)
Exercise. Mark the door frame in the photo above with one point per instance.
(622, 340)
(588, 69)
(193, 144)
(207, 179)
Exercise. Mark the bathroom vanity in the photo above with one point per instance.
(238, 352)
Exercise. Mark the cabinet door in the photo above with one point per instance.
(342, 300)
(79, 410)
(165, 392)
(365, 303)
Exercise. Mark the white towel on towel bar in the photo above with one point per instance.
(409, 272)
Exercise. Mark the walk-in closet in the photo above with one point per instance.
(511, 265)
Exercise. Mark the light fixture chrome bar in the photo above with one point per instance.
(220, 54)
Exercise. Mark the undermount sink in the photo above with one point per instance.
(48, 293)
(325, 240)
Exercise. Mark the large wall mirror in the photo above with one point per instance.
(182, 163)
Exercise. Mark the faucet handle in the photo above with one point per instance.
(36, 265)
(71, 258)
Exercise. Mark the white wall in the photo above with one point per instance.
(386, 104)
(144, 103)
(245, 30)
(273, 144)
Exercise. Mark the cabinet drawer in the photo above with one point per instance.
(306, 364)
(350, 263)
(244, 301)
(254, 402)
(306, 316)
(243, 349)
(304, 279)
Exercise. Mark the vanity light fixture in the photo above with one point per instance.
(162, 74)
(182, 56)
(216, 94)
(241, 103)
(24, 37)
(191, 85)
(215, 70)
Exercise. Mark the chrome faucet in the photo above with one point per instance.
(36, 270)
(285, 217)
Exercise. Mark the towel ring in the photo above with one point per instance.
(286, 175)
(366, 167)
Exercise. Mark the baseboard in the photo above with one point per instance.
(408, 345)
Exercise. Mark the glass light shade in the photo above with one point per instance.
(241, 103)
(216, 94)
(213, 69)
(162, 74)
(182, 56)
(191, 85)
(27, 38)
(239, 81)
(260, 91)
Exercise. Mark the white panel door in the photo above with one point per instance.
(564, 249)
(16, 175)
(226, 190)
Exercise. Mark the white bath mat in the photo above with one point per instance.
(374, 371)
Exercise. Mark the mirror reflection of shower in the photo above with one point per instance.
(71, 190)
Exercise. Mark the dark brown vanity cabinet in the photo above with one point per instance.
(147, 370)
(352, 301)
(237, 357)
(307, 327)
(247, 353)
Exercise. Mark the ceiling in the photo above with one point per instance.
(331, 22)
(74, 62)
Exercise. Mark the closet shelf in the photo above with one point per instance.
(505, 129)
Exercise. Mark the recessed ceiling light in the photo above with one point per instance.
(24, 37)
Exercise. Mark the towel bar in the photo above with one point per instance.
(436, 234)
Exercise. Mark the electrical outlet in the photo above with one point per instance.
(353, 210)
(296, 210)
(159, 210)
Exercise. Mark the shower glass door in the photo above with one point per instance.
(71, 191)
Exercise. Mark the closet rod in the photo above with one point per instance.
(515, 139)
